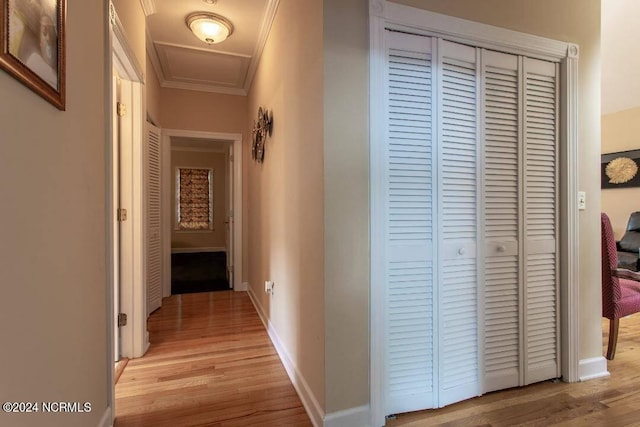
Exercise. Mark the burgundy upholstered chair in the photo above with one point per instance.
(620, 287)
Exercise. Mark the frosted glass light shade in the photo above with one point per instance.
(209, 27)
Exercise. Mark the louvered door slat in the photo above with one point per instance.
(153, 208)
(409, 225)
(541, 285)
(458, 314)
(502, 222)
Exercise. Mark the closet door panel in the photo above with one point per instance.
(457, 282)
(502, 344)
(408, 165)
(541, 319)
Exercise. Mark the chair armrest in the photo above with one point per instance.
(626, 274)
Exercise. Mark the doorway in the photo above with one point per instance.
(227, 210)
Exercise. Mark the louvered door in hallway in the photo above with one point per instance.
(469, 207)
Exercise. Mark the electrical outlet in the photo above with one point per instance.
(582, 200)
(268, 287)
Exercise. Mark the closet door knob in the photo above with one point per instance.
(462, 251)
(501, 248)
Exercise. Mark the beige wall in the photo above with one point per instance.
(152, 87)
(285, 192)
(52, 249)
(215, 238)
(620, 133)
(346, 203)
(203, 111)
(346, 169)
(133, 21)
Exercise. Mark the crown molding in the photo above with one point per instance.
(203, 88)
(154, 58)
(202, 49)
(265, 29)
(149, 7)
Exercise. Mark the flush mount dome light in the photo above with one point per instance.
(209, 27)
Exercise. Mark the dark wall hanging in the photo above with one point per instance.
(620, 170)
(261, 129)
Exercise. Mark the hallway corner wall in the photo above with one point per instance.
(285, 204)
(53, 248)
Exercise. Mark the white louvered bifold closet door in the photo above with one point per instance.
(457, 308)
(153, 225)
(470, 218)
(502, 325)
(541, 308)
(408, 165)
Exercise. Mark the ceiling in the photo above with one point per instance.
(184, 62)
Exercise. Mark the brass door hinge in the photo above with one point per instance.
(122, 109)
(122, 215)
(122, 319)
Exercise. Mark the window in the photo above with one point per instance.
(194, 199)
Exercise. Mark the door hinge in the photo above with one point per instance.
(122, 319)
(122, 215)
(122, 109)
(112, 14)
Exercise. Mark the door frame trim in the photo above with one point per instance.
(121, 57)
(236, 140)
(383, 15)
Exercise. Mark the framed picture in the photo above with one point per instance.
(32, 35)
(620, 170)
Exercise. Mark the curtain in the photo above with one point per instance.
(195, 204)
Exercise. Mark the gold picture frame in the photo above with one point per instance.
(32, 39)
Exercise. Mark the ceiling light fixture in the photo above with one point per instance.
(209, 27)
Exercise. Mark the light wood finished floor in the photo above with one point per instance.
(210, 363)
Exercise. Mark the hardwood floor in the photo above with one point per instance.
(210, 363)
(611, 402)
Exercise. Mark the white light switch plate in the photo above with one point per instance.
(582, 200)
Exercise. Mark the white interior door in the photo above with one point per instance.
(469, 211)
(407, 166)
(115, 177)
(229, 221)
(503, 221)
(541, 308)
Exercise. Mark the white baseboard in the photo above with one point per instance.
(358, 416)
(243, 288)
(194, 250)
(590, 369)
(107, 418)
(310, 403)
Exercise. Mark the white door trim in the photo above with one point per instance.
(382, 15)
(135, 339)
(236, 140)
